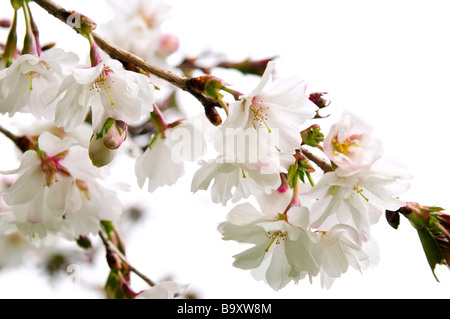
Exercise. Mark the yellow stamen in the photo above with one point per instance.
(359, 190)
(107, 91)
(277, 236)
(258, 116)
(342, 147)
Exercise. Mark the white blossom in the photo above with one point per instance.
(273, 107)
(137, 28)
(283, 243)
(358, 198)
(233, 181)
(24, 82)
(108, 89)
(57, 191)
(340, 248)
(162, 163)
(13, 245)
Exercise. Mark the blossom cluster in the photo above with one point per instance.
(304, 200)
(302, 228)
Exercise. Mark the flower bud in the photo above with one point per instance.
(17, 4)
(168, 44)
(418, 215)
(114, 134)
(5, 23)
(317, 99)
(84, 242)
(209, 85)
(213, 116)
(99, 154)
(312, 136)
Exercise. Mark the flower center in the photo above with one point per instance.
(259, 114)
(276, 236)
(101, 83)
(343, 147)
(51, 166)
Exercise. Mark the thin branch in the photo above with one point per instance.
(183, 83)
(23, 143)
(111, 247)
(323, 164)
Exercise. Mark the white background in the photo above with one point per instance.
(386, 61)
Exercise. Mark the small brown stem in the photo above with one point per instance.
(323, 164)
(24, 143)
(111, 247)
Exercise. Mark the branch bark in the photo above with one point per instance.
(323, 164)
(23, 143)
(111, 247)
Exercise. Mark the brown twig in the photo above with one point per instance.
(111, 247)
(323, 164)
(24, 143)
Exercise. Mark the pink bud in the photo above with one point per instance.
(114, 136)
(283, 188)
(168, 44)
(5, 23)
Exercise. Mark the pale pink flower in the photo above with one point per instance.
(350, 144)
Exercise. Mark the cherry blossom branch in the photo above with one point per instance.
(115, 52)
(111, 247)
